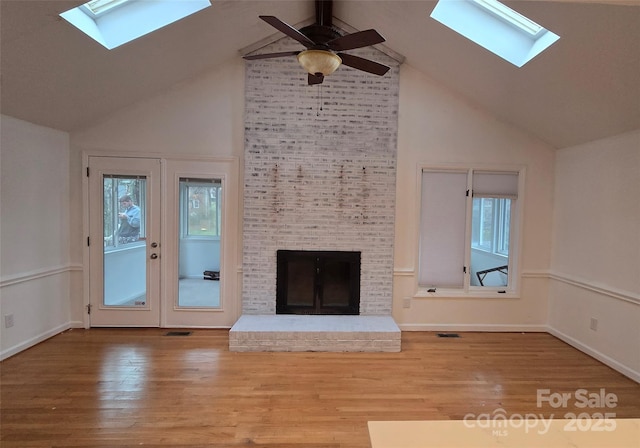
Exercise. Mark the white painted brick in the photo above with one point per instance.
(319, 179)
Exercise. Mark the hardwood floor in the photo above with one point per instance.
(137, 387)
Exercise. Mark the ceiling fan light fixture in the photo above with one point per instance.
(319, 61)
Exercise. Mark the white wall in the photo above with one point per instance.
(202, 117)
(197, 119)
(437, 127)
(36, 269)
(596, 250)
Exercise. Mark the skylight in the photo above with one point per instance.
(495, 27)
(116, 22)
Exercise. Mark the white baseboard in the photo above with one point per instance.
(626, 371)
(37, 339)
(506, 328)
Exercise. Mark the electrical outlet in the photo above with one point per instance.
(594, 324)
(8, 321)
(406, 302)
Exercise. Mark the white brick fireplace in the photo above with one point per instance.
(319, 174)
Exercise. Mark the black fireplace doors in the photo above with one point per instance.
(318, 282)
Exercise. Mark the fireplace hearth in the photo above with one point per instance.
(318, 282)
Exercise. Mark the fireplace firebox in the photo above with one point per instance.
(318, 282)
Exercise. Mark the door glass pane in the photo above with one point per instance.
(124, 259)
(200, 206)
(490, 232)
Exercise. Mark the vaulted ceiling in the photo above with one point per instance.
(585, 87)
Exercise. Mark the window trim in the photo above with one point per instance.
(510, 16)
(97, 8)
(513, 291)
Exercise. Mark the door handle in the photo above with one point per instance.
(154, 244)
(154, 256)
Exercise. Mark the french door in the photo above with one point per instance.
(159, 243)
(124, 241)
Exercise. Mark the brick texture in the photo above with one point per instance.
(319, 174)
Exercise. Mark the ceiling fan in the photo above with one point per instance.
(325, 45)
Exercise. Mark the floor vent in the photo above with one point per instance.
(448, 335)
(178, 333)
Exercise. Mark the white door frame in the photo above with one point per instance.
(145, 252)
(225, 168)
(228, 313)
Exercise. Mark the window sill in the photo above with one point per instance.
(490, 293)
(489, 252)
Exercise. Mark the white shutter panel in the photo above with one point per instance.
(442, 229)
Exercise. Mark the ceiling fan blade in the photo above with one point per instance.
(363, 64)
(315, 79)
(271, 55)
(288, 30)
(356, 40)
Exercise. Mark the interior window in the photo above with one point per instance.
(466, 229)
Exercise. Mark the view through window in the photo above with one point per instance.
(199, 235)
(124, 231)
(491, 224)
(124, 206)
(202, 214)
(490, 233)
